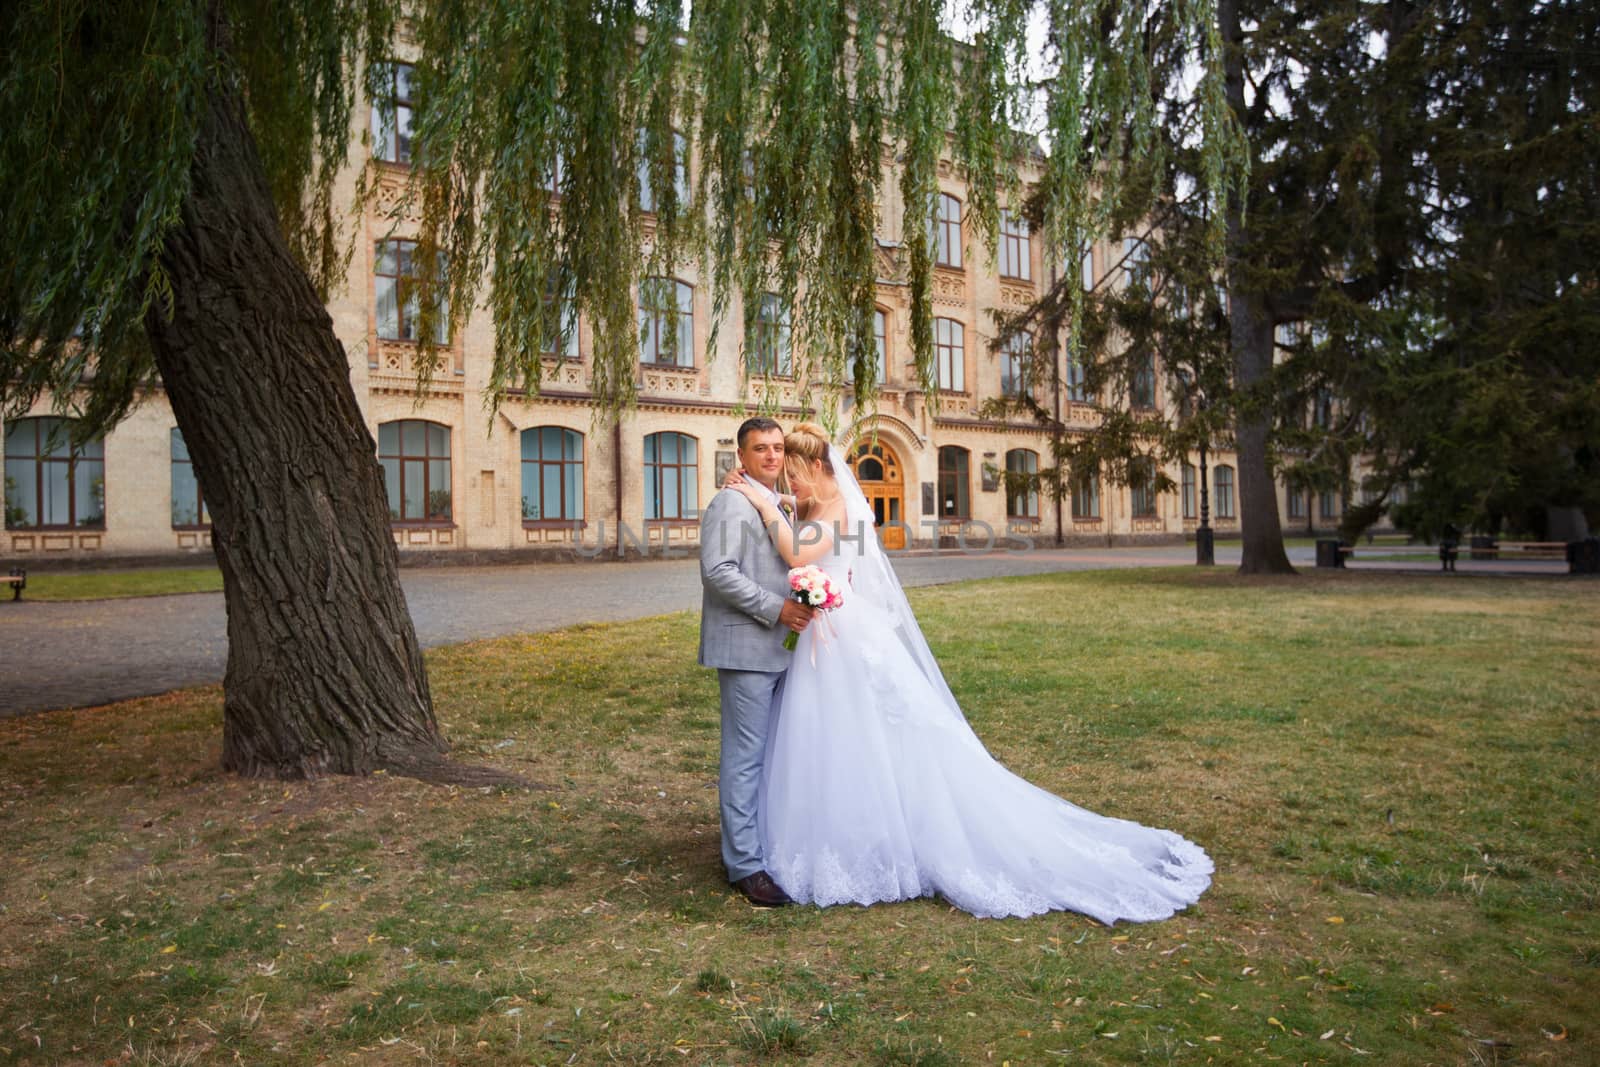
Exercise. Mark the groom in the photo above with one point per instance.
(744, 616)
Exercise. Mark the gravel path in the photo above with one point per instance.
(84, 653)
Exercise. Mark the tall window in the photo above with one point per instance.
(561, 325)
(947, 232)
(552, 474)
(1297, 504)
(1016, 368)
(1025, 504)
(1088, 268)
(395, 273)
(415, 456)
(950, 354)
(671, 476)
(1086, 495)
(666, 322)
(1189, 482)
(954, 501)
(769, 351)
(50, 482)
(1322, 410)
(1016, 252)
(1222, 491)
(1328, 504)
(391, 112)
(188, 503)
(1142, 389)
(680, 173)
(1077, 379)
(1136, 261)
(1143, 491)
(880, 340)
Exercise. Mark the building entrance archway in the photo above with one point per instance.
(877, 469)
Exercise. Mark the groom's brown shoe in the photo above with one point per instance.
(760, 890)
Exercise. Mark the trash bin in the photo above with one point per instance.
(1583, 557)
(1483, 547)
(1328, 554)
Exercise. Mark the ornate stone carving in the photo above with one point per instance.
(1016, 295)
(949, 288)
(890, 263)
(389, 196)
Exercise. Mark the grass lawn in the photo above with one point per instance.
(1396, 775)
(102, 585)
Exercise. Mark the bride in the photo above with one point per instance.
(876, 789)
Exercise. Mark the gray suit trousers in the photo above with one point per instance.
(749, 701)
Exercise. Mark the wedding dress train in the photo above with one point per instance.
(876, 789)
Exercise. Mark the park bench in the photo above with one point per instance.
(17, 580)
(1530, 549)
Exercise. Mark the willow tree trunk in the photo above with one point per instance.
(324, 672)
(1251, 340)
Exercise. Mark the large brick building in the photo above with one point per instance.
(544, 473)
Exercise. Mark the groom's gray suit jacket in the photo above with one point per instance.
(745, 584)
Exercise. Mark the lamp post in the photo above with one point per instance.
(1205, 549)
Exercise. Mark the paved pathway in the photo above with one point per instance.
(78, 654)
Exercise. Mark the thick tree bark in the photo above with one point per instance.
(1252, 342)
(324, 671)
(1259, 525)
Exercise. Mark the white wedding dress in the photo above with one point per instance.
(876, 789)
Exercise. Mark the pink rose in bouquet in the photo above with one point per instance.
(811, 586)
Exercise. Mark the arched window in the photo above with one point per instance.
(666, 322)
(391, 112)
(49, 481)
(1016, 368)
(950, 354)
(671, 476)
(954, 499)
(415, 456)
(1189, 483)
(1023, 504)
(1086, 495)
(769, 341)
(552, 474)
(1016, 249)
(1223, 491)
(1142, 476)
(680, 173)
(188, 503)
(395, 272)
(947, 232)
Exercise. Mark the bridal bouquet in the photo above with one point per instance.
(811, 586)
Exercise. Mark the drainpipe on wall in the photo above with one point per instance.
(616, 450)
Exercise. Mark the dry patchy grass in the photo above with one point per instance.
(1395, 775)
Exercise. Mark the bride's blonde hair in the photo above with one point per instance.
(804, 444)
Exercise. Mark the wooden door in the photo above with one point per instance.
(877, 468)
